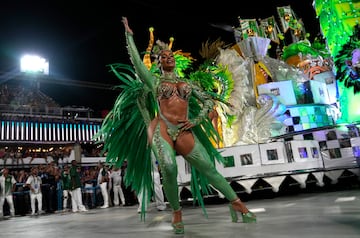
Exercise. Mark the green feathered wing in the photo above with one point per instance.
(124, 129)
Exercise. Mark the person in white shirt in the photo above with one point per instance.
(7, 187)
(116, 180)
(34, 184)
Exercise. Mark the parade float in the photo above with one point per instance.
(294, 117)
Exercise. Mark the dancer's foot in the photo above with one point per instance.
(177, 223)
(238, 206)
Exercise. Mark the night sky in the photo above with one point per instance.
(79, 38)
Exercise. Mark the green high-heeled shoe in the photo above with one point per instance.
(178, 227)
(248, 217)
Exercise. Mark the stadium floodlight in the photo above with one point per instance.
(34, 64)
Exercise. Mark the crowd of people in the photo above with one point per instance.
(51, 188)
(20, 96)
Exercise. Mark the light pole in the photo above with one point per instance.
(34, 65)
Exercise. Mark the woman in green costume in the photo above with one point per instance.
(170, 132)
(157, 107)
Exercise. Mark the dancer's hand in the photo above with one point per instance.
(186, 125)
(126, 25)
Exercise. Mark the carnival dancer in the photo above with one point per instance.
(175, 120)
